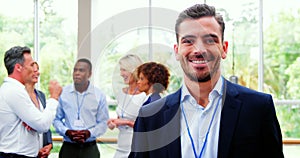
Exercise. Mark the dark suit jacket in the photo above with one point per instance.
(153, 97)
(47, 137)
(248, 129)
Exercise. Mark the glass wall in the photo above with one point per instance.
(57, 41)
(57, 35)
(16, 27)
(282, 56)
(242, 32)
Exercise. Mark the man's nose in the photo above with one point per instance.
(199, 47)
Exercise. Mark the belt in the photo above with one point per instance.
(81, 145)
(12, 155)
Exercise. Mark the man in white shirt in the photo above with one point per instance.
(17, 111)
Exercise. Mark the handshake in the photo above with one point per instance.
(78, 136)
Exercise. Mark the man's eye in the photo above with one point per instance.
(187, 41)
(210, 41)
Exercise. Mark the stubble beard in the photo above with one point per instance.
(193, 76)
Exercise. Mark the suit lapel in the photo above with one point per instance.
(41, 97)
(172, 119)
(229, 117)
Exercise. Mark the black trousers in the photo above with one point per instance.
(12, 155)
(77, 150)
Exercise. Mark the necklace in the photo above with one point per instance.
(124, 101)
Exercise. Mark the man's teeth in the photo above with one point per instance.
(199, 61)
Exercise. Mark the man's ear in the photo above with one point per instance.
(90, 74)
(225, 49)
(18, 67)
(176, 51)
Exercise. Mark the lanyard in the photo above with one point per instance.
(79, 105)
(208, 130)
(124, 101)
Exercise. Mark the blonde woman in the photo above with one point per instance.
(129, 100)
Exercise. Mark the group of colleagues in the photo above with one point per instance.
(208, 117)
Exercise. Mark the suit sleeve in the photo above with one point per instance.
(139, 140)
(47, 138)
(272, 138)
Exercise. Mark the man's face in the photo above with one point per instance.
(81, 73)
(27, 70)
(200, 48)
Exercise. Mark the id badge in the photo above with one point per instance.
(78, 123)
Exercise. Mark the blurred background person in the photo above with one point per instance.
(129, 100)
(81, 115)
(16, 107)
(39, 100)
(153, 79)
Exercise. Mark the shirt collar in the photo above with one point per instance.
(217, 90)
(14, 81)
(89, 89)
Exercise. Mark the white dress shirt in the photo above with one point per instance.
(16, 107)
(198, 119)
(41, 135)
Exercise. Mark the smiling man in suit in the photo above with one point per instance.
(208, 117)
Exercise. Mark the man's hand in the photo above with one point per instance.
(55, 89)
(86, 134)
(111, 124)
(78, 136)
(75, 136)
(27, 127)
(45, 151)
